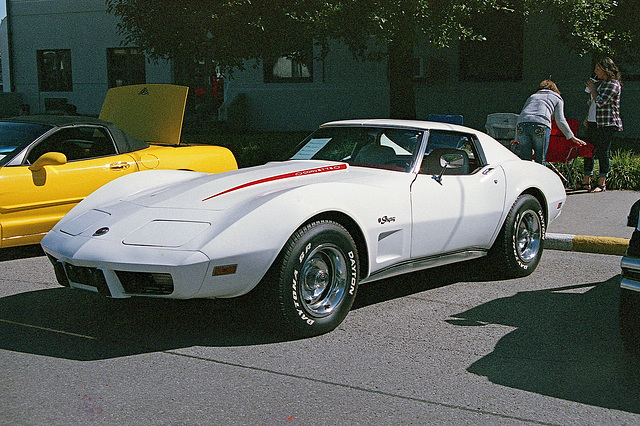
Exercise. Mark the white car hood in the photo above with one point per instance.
(188, 213)
(223, 190)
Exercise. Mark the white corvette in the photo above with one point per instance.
(359, 200)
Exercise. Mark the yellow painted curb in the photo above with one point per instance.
(602, 245)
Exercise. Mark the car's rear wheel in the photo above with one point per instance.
(518, 247)
(629, 313)
(316, 278)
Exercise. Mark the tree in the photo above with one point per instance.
(230, 33)
(622, 32)
(591, 25)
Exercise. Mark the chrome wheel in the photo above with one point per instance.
(323, 279)
(317, 278)
(528, 235)
(519, 244)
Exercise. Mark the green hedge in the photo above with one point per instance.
(624, 170)
(254, 148)
(250, 148)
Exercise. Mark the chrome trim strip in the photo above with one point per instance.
(424, 263)
(630, 262)
(41, 205)
(418, 156)
(628, 284)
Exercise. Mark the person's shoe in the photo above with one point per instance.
(583, 186)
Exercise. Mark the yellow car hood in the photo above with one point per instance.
(150, 112)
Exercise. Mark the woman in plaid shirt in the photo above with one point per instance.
(603, 120)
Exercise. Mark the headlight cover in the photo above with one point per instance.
(83, 222)
(165, 233)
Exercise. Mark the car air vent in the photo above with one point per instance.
(58, 268)
(145, 283)
(87, 276)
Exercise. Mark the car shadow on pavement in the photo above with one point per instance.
(417, 282)
(78, 325)
(21, 252)
(565, 345)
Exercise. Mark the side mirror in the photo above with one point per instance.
(48, 159)
(449, 161)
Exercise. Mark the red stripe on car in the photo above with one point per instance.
(283, 176)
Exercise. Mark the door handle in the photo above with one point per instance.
(488, 171)
(119, 165)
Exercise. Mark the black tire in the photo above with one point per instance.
(519, 245)
(316, 279)
(629, 313)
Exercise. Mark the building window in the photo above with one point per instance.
(288, 69)
(500, 56)
(54, 70)
(125, 66)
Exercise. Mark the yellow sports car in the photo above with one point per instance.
(50, 163)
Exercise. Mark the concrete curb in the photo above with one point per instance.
(586, 244)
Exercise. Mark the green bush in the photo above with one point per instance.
(249, 148)
(254, 148)
(624, 171)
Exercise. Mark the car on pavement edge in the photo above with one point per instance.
(358, 201)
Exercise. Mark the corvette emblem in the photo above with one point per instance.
(386, 219)
(101, 231)
(144, 91)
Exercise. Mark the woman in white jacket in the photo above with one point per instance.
(533, 127)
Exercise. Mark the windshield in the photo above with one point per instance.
(387, 148)
(14, 137)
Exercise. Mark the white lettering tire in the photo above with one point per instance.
(316, 278)
(519, 245)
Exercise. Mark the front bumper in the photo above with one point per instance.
(122, 280)
(117, 270)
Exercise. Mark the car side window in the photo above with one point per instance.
(443, 142)
(76, 143)
(377, 147)
(391, 149)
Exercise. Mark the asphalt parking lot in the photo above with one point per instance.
(445, 346)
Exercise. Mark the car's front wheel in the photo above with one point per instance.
(518, 247)
(316, 278)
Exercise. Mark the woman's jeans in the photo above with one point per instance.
(600, 137)
(533, 139)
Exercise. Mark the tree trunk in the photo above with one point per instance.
(402, 102)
